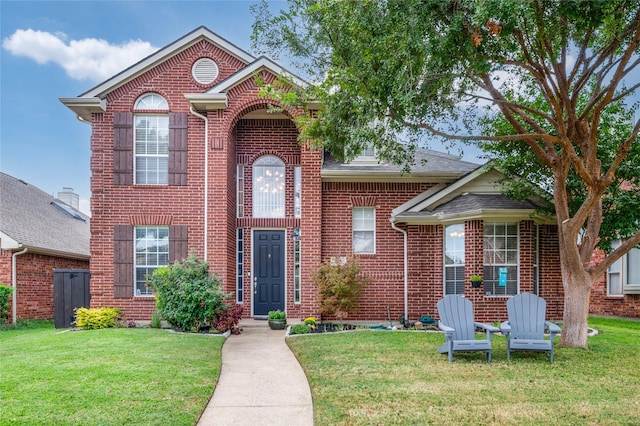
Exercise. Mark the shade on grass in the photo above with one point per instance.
(398, 378)
(111, 376)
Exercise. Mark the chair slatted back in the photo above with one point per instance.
(457, 312)
(527, 313)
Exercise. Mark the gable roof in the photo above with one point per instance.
(428, 164)
(477, 195)
(216, 96)
(92, 100)
(31, 218)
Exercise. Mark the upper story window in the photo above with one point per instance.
(268, 187)
(151, 147)
(623, 277)
(368, 155)
(500, 259)
(454, 255)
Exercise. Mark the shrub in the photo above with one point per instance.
(5, 294)
(277, 315)
(95, 318)
(156, 320)
(188, 297)
(310, 321)
(340, 286)
(228, 319)
(300, 329)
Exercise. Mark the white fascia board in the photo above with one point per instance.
(451, 188)
(84, 107)
(492, 215)
(250, 70)
(201, 33)
(207, 101)
(373, 176)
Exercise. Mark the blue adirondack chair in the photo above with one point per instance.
(526, 325)
(456, 320)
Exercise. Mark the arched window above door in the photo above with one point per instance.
(268, 187)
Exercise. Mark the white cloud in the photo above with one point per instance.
(86, 59)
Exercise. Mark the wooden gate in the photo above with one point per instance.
(70, 291)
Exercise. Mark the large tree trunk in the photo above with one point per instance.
(576, 311)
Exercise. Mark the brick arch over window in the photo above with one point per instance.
(235, 114)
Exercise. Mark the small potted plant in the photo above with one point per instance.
(277, 319)
(476, 281)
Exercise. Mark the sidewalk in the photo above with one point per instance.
(261, 382)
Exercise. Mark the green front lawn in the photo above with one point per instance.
(110, 376)
(397, 378)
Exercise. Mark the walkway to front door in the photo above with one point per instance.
(268, 271)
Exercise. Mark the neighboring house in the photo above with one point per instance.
(186, 157)
(40, 234)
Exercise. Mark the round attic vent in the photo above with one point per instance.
(205, 71)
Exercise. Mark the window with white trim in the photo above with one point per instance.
(297, 192)
(151, 147)
(151, 252)
(239, 265)
(500, 259)
(623, 277)
(454, 252)
(240, 190)
(268, 187)
(296, 266)
(364, 230)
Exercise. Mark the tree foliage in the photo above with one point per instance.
(548, 86)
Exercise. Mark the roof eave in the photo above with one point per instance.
(513, 215)
(84, 107)
(207, 101)
(377, 176)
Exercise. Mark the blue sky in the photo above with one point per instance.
(60, 49)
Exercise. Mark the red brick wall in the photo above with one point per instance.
(34, 278)
(627, 305)
(426, 269)
(385, 267)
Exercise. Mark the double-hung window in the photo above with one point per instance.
(151, 140)
(500, 259)
(151, 252)
(364, 230)
(623, 277)
(454, 259)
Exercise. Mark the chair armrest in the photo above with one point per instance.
(505, 328)
(553, 329)
(448, 331)
(489, 329)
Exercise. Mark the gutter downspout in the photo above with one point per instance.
(206, 177)
(14, 282)
(406, 269)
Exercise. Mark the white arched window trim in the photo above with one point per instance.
(269, 187)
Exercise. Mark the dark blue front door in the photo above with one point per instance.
(268, 271)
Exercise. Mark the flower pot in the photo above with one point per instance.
(277, 324)
(476, 284)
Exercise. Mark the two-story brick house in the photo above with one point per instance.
(186, 157)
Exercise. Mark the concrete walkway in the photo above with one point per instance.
(261, 382)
